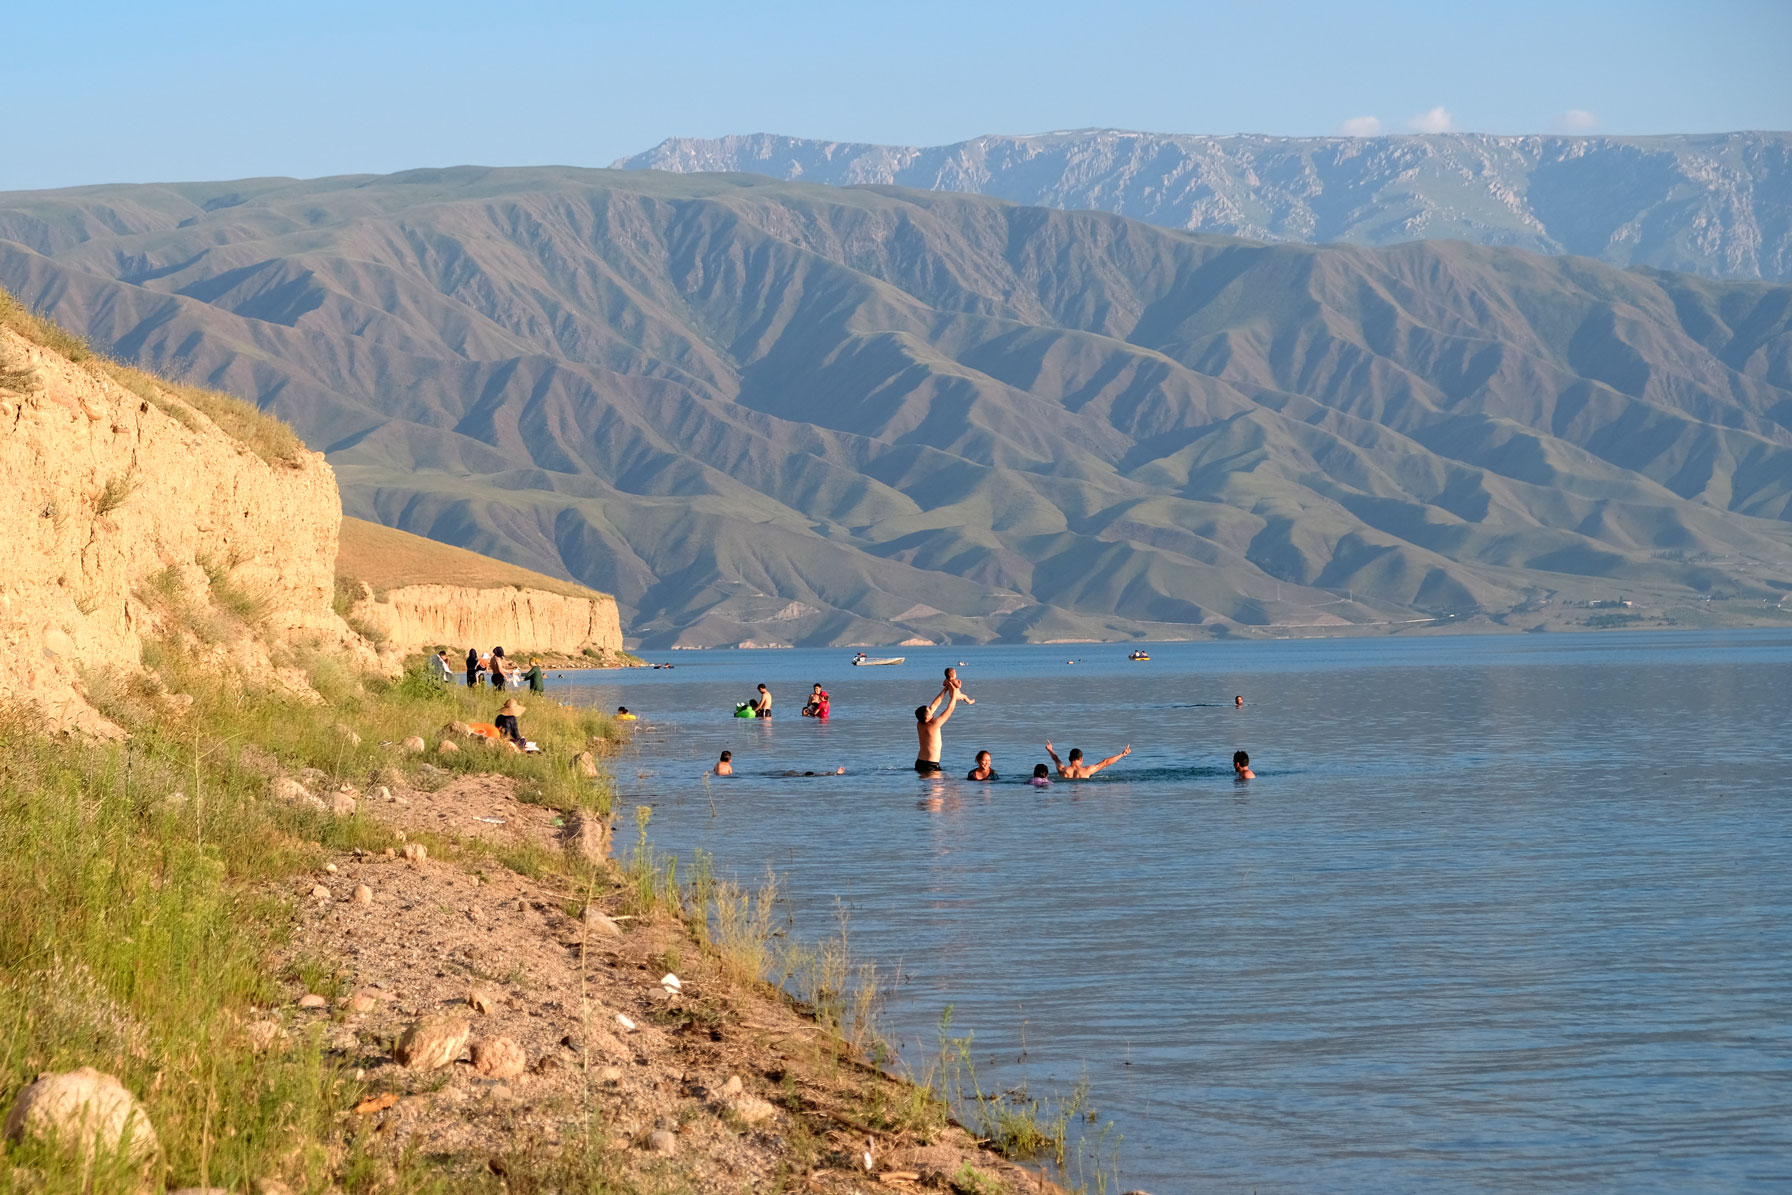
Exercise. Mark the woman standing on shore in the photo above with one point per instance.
(472, 667)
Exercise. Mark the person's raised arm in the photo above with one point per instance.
(1111, 759)
(951, 697)
(1056, 762)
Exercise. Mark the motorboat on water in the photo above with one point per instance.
(1138, 655)
(863, 660)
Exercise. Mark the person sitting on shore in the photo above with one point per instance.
(506, 722)
(1041, 776)
(535, 676)
(473, 667)
(928, 727)
(622, 714)
(1241, 764)
(984, 770)
(762, 704)
(952, 682)
(725, 765)
(1075, 769)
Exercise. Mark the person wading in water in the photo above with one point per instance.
(927, 730)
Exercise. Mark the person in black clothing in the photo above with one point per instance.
(472, 667)
(507, 725)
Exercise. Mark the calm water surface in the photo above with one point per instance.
(1499, 914)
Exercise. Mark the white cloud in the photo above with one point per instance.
(1361, 126)
(1438, 120)
(1576, 120)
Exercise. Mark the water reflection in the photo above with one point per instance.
(1501, 914)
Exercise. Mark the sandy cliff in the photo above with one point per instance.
(414, 593)
(119, 508)
(456, 617)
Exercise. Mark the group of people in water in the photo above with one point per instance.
(930, 723)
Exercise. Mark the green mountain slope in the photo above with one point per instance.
(792, 413)
(1718, 204)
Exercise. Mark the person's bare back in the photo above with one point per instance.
(927, 730)
(1075, 768)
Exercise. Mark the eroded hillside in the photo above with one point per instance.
(801, 414)
(134, 498)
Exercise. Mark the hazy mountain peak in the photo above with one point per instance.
(1715, 204)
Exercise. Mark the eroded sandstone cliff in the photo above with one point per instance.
(416, 617)
(123, 507)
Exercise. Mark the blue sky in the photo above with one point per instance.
(133, 92)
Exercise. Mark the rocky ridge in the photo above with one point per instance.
(1716, 204)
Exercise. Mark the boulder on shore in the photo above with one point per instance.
(433, 1042)
(84, 1111)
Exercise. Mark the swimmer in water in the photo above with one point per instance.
(1041, 776)
(1238, 702)
(984, 769)
(1075, 769)
(927, 729)
(725, 766)
(953, 683)
(1241, 764)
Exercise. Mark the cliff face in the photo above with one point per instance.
(426, 616)
(115, 502)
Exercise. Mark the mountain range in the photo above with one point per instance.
(1714, 204)
(786, 412)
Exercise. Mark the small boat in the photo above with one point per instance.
(1139, 655)
(866, 661)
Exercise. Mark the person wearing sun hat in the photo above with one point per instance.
(507, 726)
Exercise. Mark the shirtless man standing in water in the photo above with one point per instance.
(1075, 769)
(927, 730)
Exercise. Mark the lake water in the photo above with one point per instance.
(1498, 914)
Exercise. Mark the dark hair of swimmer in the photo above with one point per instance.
(920, 713)
(1041, 772)
(1241, 759)
(1076, 753)
(727, 755)
(982, 758)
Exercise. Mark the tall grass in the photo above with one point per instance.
(263, 434)
(133, 938)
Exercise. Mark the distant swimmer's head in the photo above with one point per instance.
(840, 771)
(1076, 755)
(920, 713)
(983, 759)
(621, 709)
(727, 757)
(1041, 772)
(1241, 759)
(1238, 701)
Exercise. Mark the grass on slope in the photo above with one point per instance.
(263, 434)
(387, 558)
(151, 882)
